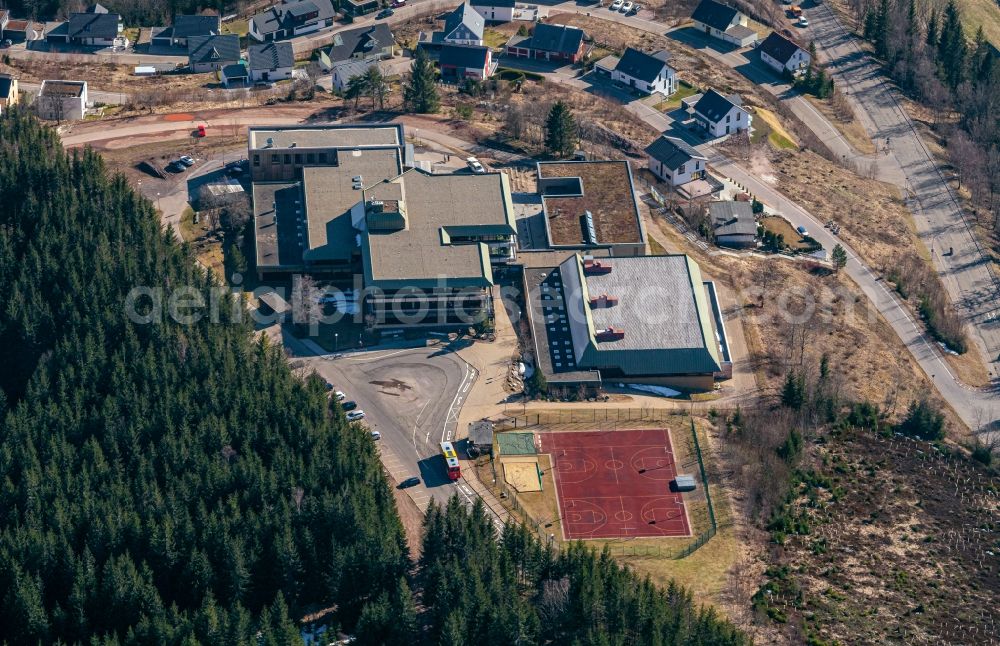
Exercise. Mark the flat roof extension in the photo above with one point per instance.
(325, 136)
(604, 188)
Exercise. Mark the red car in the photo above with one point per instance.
(201, 130)
(396, 4)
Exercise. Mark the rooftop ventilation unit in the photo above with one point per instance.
(270, 142)
(609, 334)
(603, 301)
(588, 218)
(292, 145)
(595, 267)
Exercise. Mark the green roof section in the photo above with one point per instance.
(516, 443)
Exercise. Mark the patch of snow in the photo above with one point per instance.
(662, 391)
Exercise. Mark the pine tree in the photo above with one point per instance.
(839, 257)
(420, 94)
(932, 30)
(793, 393)
(952, 50)
(560, 130)
(882, 30)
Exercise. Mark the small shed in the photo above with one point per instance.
(481, 436)
(683, 483)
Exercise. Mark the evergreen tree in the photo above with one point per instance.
(952, 49)
(793, 392)
(560, 130)
(839, 257)
(932, 30)
(420, 95)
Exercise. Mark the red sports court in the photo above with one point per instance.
(616, 484)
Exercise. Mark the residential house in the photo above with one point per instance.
(212, 53)
(235, 76)
(723, 22)
(733, 224)
(94, 28)
(270, 62)
(784, 55)
(463, 26)
(495, 10)
(647, 73)
(61, 100)
(460, 62)
(343, 71)
(638, 320)
(721, 115)
(8, 92)
(16, 30)
(674, 161)
(185, 27)
(550, 43)
(364, 43)
(356, 8)
(290, 19)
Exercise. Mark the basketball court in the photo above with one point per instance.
(616, 484)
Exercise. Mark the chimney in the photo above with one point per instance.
(594, 267)
(603, 301)
(609, 334)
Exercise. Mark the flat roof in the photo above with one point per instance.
(439, 209)
(661, 307)
(63, 88)
(607, 193)
(330, 194)
(325, 136)
(516, 443)
(277, 217)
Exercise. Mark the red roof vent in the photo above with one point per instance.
(602, 301)
(610, 334)
(591, 266)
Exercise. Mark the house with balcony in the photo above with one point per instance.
(290, 19)
(783, 55)
(647, 73)
(549, 42)
(673, 161)
(723, 22)
(96, 27)
(186, 27)
(721, 115)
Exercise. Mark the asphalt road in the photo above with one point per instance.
(939, 219)
(413, 398)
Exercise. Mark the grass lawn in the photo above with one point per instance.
(779, 225)
(777, 136)
(238, 27)
(684, 90)
(981, 12)
(494, 39)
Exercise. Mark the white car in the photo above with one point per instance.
(475, 166)
(617, 5)
(803, 22)
(356, 415)
(187, 161)
(627, 7)
(376, 435)
(339, 396)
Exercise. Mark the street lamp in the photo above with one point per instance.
(336, 343)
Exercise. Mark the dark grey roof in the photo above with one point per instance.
(464, 16)
(224, 48)
(672, 152)
(494, 3)
(778, 47)
(714, 106)
(271, 56)
(469, 56)
(732, 218)
(290, 14)
(360, 41)
(188, 26)
(556, 38)
(93, 25)
(235, 71)
(715, 14)
(640, 65)
(6, 83)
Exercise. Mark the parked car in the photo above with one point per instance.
(349, 405)
(617, 5)
(412, 481)
(803, 22)
(176, 167)
(385, 13)
(201, 131)
(802, 231)
(339, 396)
(475, 166)
(396, 4)
(328, 386)
(376, 435)
(356, 415)
(627, 7)
(187, 161)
